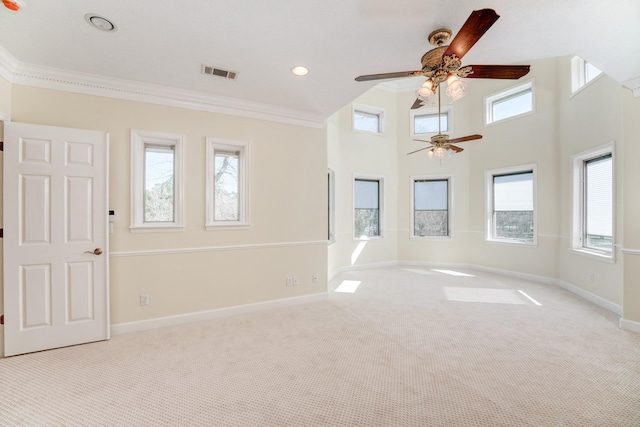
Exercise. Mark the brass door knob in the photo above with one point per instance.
(96, 251)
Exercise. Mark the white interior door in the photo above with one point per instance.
(56, 290)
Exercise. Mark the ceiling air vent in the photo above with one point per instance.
(213, 71)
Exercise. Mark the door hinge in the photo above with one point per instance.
(2, 320)
(1, 233)
(1, 145)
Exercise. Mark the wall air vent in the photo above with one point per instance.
(214, 71)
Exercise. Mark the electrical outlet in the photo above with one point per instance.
(144, 299)
(314, 278)
(289, 281)
(296, 281)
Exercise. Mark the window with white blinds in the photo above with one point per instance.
(598, 182)
(430, 207)
(511, 205)
(367, 215)
(593, 202)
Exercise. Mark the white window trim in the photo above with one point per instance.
(380, 112)
(447, 109)
(578, 76)
(449, 178)
(381, 208)
(577, 190)
(332, 205)
(520, 87)
(138, 140)
(488, 179)
(214, 144)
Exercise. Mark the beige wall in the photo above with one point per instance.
(5, 99)
(205, 269)
(560, 127)
(631, 208)
(354, 153)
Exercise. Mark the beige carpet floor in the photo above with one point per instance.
(391, 347)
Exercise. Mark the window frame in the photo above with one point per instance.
(579, 75)
(449, 179)
(242, 147)
(368, 109)
(140, 139)
(489, 203)
(331, 193)
(578, 225)
(506, 94)
(381, 210)
(431, 111)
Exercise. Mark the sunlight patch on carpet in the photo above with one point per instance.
(453, 273)
(348, 286)
(494, 296)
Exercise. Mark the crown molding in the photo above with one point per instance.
(90, 84)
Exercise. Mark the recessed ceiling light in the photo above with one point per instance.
(300, 70)
(100, 22)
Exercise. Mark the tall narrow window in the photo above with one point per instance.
(430, 207)
(511, 205)
(156, 181)
(227, 184)
(593, 202)
(367, 212)
(159, 172)
(598, 200)
(582, 73)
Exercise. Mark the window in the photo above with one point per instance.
(367, 207)
(425, 121)
(511, 213)
(156, 181)
(431, 204)
(367, 118)
(582, 73)
(226, 184)
(593, 207)
(514, 102)
(331, 202)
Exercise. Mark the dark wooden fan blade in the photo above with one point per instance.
(417, 104)
(465, 138)
(456, 149)
(395, 75)
(476, 25)
(498, 71)
(422, 149)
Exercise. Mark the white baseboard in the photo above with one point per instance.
(597, 300)
(182, 319)
(630, 325)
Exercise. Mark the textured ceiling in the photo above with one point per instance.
(164, 42)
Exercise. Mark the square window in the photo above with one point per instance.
(593, 202)
(156, 181)
(514, 102)
(227, 184)
(367, 207)
(431, 205)
(368, 119)
(511, 205)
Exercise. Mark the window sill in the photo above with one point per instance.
(533, 244)
(157, 228)
(228, 226)
(595, 255)
(367, 238)
(414, 237)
